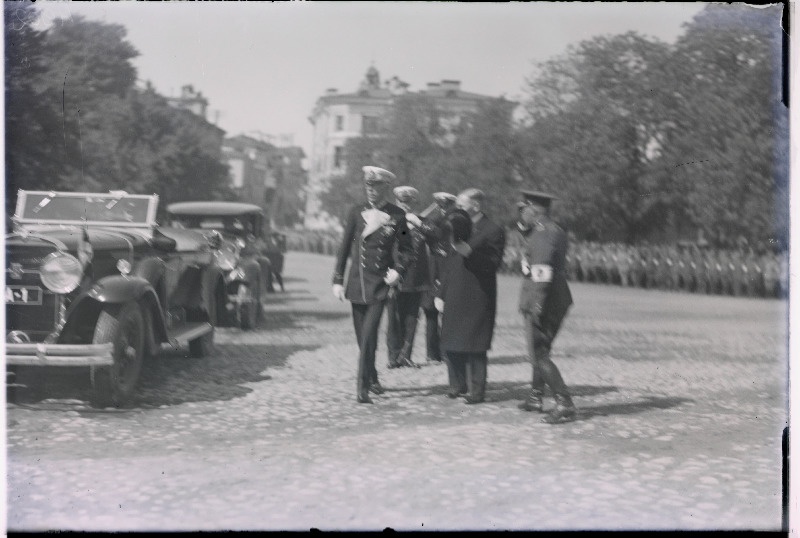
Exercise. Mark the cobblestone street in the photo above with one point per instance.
(682, 405)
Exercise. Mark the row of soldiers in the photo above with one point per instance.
(687, 267)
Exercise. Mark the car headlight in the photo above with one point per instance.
(61, 272)
(226, 259)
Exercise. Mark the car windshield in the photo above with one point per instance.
(59, 207)
(226, 224)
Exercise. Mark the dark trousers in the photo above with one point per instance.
(545, 372)
(467, 373)
(402, 313)
(366, 320)
(432, 334)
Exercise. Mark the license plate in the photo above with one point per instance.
(30, 295)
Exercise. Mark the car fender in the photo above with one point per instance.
(151, 270)
(252, 272)
(212, 279)
(116, 289)
(84, 311)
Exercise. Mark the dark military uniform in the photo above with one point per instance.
(371, 249)
(544, 300)
(403, 307)
(436, 249)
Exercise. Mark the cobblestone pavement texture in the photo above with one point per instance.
(682, 404)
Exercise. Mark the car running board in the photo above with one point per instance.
(188, 332)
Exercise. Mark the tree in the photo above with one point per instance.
(730, 149)
(30, 123)
(76, 120)
(595, 124)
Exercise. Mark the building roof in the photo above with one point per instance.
(212, 208)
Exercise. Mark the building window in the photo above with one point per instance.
(340, 123)
(369, 125)
(338, 157)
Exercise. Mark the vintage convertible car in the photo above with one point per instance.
(91, 280)
(246, 263)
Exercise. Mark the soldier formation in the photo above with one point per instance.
(690, 267)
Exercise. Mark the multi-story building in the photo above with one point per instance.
(266, 170)
(266, 175)
(190, 100)
(338, 117)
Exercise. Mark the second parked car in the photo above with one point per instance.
(239, 228)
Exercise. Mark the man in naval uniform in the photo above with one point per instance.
(372, 231)
(544, 300)
(402, 307)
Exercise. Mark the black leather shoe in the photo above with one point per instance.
(363, 398)
(564, 411)
(533, 403)
(471, 400)
(453, 393)
(376, 388)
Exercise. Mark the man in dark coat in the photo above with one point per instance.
(469, 294)
(371, 233)
(402, 307)
(430, 224)
(544, 300)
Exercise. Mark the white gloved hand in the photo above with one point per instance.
(439, 304)
(338, 291)
(392, 277)
(526, 267)
(462, 248)
(413, 220)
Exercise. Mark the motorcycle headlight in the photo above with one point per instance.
(226, 259)
(61, 272)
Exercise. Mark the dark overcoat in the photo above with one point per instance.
(469, 291)
(545, 291)
(372, 253)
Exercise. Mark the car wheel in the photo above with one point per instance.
(204, 345)
(247, 306)
(124, 328)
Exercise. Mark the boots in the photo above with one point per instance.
(534, 402)
(564, 411)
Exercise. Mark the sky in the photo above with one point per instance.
(263, 65)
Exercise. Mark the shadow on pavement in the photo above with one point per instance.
(298, 318)
(500, 392)
(170, 379)
(509, 359)
(650, 402)
(288, 279)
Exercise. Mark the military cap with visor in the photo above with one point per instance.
(373, 175)
(543, 199)
(406, 194)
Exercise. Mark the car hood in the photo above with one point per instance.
(100, 238)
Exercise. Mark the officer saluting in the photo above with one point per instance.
(372, 231)
(544, 300)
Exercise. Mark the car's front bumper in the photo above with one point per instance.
(40, 354)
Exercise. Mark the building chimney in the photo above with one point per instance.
(433, 85)
(331, 91)
(451, 84)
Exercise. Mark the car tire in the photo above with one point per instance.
(204, 346)
(247, 308)
(124, 327)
